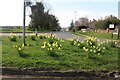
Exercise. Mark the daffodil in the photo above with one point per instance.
(98, 53)
(78, 44)
(99, 44)
(60, 45)
(85, 49)
(19, 49)
(49, 44)
(59, 48)
(48, 49)
(43, 47)
(94, 46)
(91, 50)
(53, 44)
(99, 50)
(90, 43)
(94, 51)
(51, 49)
(104, 48)
(23, 45)
(56, 45)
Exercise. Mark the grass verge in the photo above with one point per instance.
(38, 54)
(96, 34)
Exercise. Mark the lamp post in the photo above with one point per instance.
(26, 3)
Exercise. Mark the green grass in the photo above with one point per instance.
(96, 34)
(69, 57)
(13, 30)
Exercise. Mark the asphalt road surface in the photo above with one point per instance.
(63, 35)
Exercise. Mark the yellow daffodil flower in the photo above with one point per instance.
(59, 48)
(43, 47)
(51, 49)
(23, 45)
(19, 48)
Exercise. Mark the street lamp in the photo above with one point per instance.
(26, 4)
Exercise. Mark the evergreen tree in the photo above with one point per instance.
(42, 20)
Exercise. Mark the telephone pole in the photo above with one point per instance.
(24, 12)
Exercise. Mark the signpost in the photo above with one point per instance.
(26, 3)
(111, 26)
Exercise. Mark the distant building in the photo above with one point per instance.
(119, 10)
(82, 22)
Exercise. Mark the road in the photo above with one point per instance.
(63, 35)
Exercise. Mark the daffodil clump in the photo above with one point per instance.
(52, 38)
(91, 41)
(109, 43)
(73, 41)
(91, 45)
(42, 36)
(32, 36)
(51, 47)
(13, 37)
(20, 48)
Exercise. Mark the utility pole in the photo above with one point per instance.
(24, 12)
(75, 16)
(75, 22)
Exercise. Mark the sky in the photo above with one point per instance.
(11, 13)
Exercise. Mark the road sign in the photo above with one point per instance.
(111, 25)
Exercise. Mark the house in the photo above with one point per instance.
(81, 23)
(118, 27)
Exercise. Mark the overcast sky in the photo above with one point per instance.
(11, 11)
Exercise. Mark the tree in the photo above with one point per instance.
(104, 23)
(42, 20)
(71, 26)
